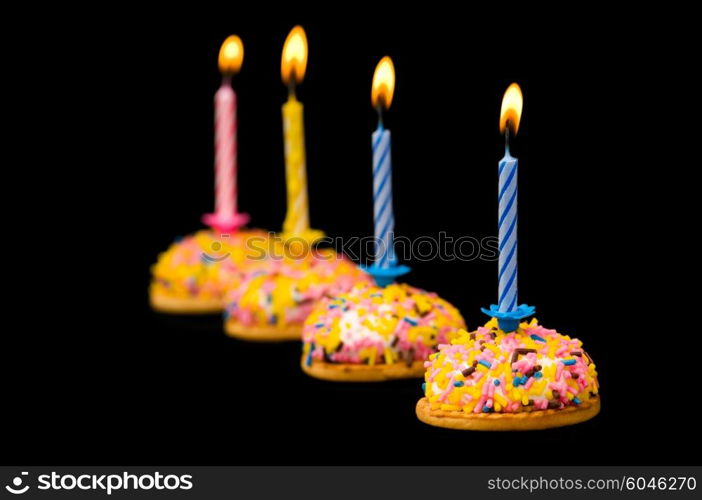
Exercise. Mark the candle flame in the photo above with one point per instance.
(231, 55)
(383, 83)
(294, 60)
(511, 111)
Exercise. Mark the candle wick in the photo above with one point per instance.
(379, 109)
(291, 89)
(226, 78)
(507, 138)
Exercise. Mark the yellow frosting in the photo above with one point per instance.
(285, 291)
(530, 369)
(205, 264)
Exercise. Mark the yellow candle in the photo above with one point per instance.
(297, 220)
(292, 69)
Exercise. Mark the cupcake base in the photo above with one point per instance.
(185, 305)
(268, 333)
(524, 421)
(348, 372)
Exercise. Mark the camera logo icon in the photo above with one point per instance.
(218, 252)
(16, 488)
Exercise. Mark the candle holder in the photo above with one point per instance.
(509, 321)
(225, 224)
(385, 276)
(308, 236)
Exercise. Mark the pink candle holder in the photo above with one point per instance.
(226, 224)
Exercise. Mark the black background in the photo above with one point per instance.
(92, 375)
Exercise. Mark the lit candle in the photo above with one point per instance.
(385, 267)
(293, 65)
(507, 199)
(384, 218)
(225, 217)
(507, 312)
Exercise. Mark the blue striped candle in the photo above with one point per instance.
(382, 199)
(507, 311)
(507, 228)
(385, 267)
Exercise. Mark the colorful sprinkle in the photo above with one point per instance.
(308, 361)
(523, 371)
(382, 321)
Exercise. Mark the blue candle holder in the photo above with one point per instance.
(384, 276)
(509, 321)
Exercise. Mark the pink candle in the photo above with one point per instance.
(225, 150)
(225, 217)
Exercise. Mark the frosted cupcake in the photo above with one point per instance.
(376, 334)
(194, 273)
(532, 378)
(272, 303)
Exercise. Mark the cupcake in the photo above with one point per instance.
(531, 378)
(376, 334)
(273, 302)
(193, 275)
